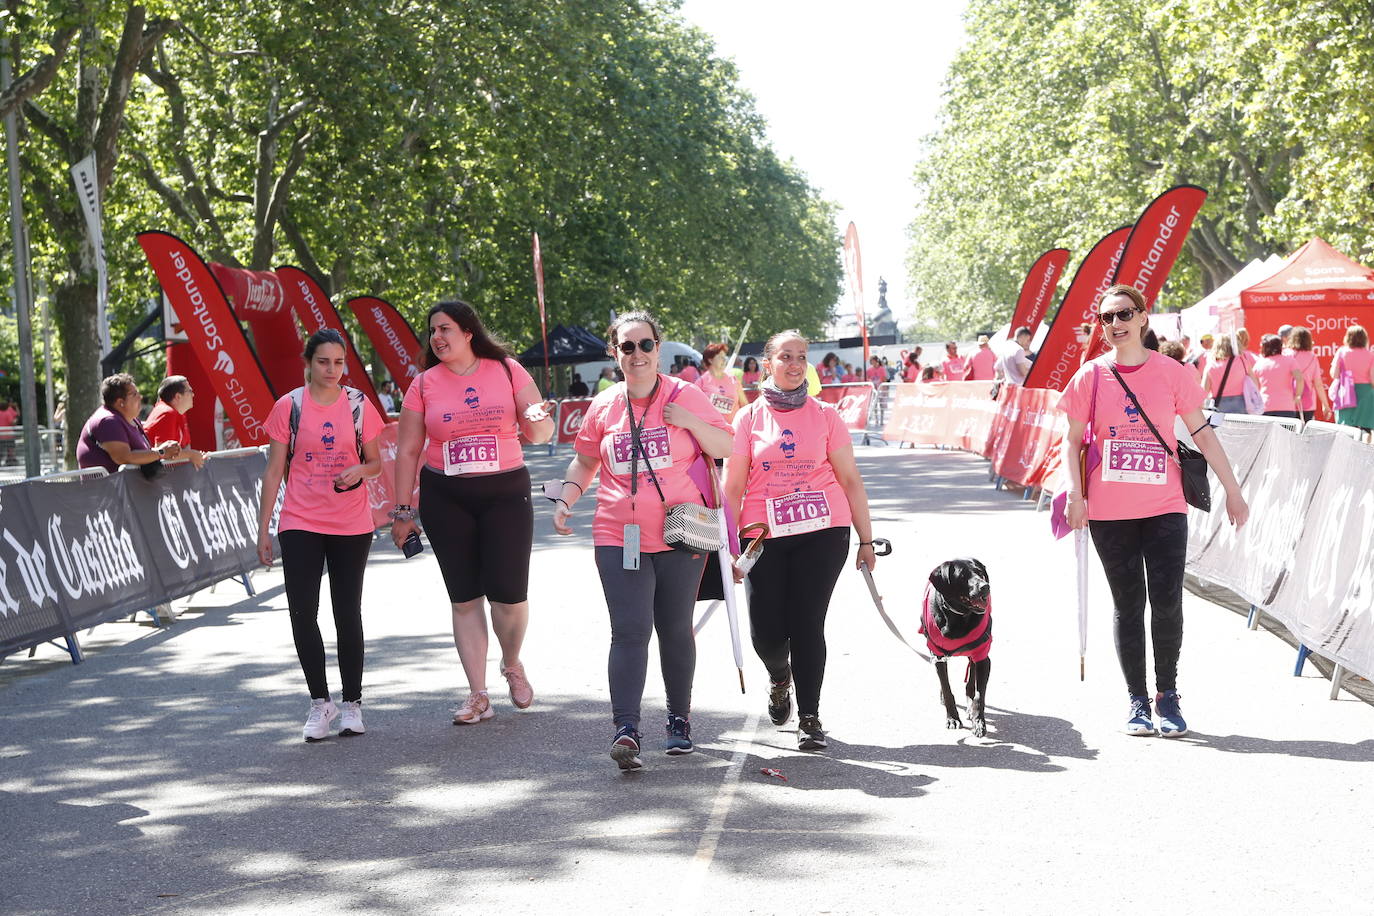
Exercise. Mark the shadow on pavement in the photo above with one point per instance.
(1362, 752)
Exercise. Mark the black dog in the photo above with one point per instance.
(957, 620)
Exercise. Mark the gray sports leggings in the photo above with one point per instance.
(658, 596)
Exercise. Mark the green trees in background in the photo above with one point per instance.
(1063, 118)
(408, 149)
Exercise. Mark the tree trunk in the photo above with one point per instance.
(73, 304)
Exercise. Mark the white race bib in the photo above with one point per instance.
(797, 513)
(656, 448)
(1129, 461)
(471, 455)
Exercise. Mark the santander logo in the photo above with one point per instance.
(223, 363)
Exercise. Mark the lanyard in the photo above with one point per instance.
(635, 446)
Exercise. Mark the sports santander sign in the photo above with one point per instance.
(213, 333)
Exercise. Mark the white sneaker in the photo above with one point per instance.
(352, 721)
(322, 713)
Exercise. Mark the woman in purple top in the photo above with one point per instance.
(113, 435)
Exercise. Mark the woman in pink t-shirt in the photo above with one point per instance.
(1313, 385)
(792, 468)
(1355, 357)
(1133, 501)
(911, 372)
(472, 403)
(1224, 378)
(325, 518)
(876, 374)
(749, 376)
(722, 388)
(642, 435)
(1280, 380)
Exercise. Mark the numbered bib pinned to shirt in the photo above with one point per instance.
(657, 449)
(723, 403)
(471, 455)
(1129, 461)
(797, 513)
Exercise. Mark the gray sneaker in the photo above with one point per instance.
(351, 722)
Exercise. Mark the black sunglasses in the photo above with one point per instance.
(1122, 315)
(647, 345)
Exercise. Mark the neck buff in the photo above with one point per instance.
(783, 400)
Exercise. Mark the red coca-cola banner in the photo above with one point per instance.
(258, 300)
(1157, 238)
(571, 412)
(211, 330)
(315, 312)
(396, 344)
(1037, 291)
(1058, 358)
(852, 401)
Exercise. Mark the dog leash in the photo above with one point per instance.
(878, 599)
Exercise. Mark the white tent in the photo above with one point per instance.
(1202, 318)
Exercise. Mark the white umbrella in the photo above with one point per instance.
(1080, 546)
(727, 577)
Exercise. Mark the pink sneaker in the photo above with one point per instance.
(474, 710)
(521, 693)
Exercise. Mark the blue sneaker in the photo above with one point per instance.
(625, 748)
(1171, 724)
(679, 740)
(1142, 721)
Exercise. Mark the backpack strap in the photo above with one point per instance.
(297, 397)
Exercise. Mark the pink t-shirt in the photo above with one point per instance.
(605, 436)
(325, 445)
(470, 419)
(877, 375)
(982, 365)
(791, 485)
(954, 368)
(1276, 382)
(689, 373)
(1357, 360)
(723, 393)
(1136, 478)
(749, 378)
(912, 373)
(1307, 363)
(1235, 382)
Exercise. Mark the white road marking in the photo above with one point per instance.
(720, 808)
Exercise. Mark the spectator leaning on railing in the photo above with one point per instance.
(113, 436)
(167, 422)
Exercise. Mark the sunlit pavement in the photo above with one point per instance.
(167, 772)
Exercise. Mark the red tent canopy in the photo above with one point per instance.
(1319, 288)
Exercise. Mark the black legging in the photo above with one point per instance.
(1140, 555)
(789, 593)
(303, 558)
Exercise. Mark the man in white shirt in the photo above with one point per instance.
(1014, 364)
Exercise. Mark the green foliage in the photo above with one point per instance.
(1063, 119)
(408, 149)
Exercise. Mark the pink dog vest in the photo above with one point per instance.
(976, 645)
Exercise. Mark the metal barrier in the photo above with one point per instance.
(12, 468)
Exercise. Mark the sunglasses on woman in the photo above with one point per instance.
(647, 345)
(1122, 315)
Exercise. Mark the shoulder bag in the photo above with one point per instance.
(1197, 491)
(1342, 391)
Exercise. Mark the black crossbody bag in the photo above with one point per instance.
(1197, 492)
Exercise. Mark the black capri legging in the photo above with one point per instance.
(482, 530)
(789, 594)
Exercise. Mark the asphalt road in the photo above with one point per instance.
(167, 773)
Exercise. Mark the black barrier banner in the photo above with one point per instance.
(76, 553)
(199, 526)
(96, 563)
(30, 611)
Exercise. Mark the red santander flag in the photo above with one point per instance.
(1157, 238)
(315, 313)
(396, 344)
(213, 333)
(1037, 290)
(1058, 358)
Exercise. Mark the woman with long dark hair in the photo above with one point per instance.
(1132, 502)
(324, 441)
(473, 402)
(641, 435)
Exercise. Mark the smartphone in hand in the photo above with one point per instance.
(411, 545)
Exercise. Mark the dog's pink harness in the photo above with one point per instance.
(976, 646)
